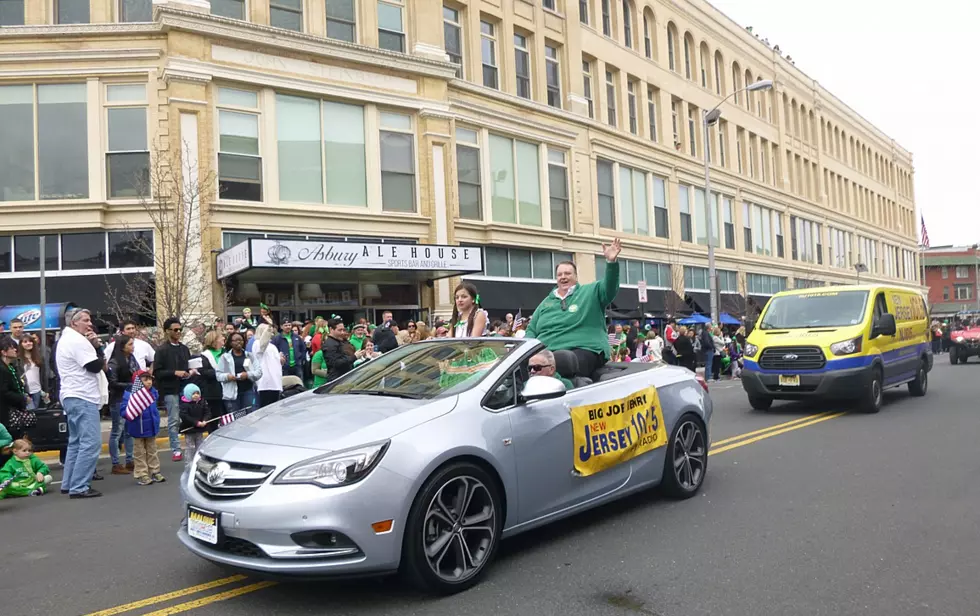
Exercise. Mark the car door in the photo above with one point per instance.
(542, 437)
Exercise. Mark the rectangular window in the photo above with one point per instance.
(633, 201)
(700, 217)
(674, 121)
(962, 291)
(239, 161)
(746, 227)
(728, 214)
(692, 132)
(684, 197)
(587, 86)
(391, 28)
(548, 4)
(522, 66)
(12, 14)
(661, 216)
(738, 153)
(515, 197)
(652, 95)
(945, 272)
(553, 74)
(298, 134)
(129, 10)
(607, 194)
(528, 184)
(27, 252)
(287, 14)
(81, 251)
(341, 20)
(696, 278)
(558, 190)
(345, 154)
(72, 11)
(452, 34)
(777, 223)
(583, 11)
(631, 105)
(397, 163)
(17, 144)
(488, 49)
(62, 141)
(722, 139)
(606, 18)
(627, 25)
(130, 249)
(945, 294)
(128, 155)
(468, 174)
(962, 271)
(233, 9)
(610, 98)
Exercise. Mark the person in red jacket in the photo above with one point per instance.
(670, 337)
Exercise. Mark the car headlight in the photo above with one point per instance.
(335, 469)
(846, 347)
(959, 338)
(750, 349)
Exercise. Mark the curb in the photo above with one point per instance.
(162, 440)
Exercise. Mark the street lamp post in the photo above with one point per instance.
(710, 117)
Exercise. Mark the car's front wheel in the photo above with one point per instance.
(954, 355)
(453, 529)
(760, 403)
(687, 458)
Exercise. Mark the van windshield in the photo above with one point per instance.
(820, 309)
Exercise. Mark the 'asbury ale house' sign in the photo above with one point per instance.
(348, 255)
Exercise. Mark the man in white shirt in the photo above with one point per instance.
(142, 350)
(80, 359)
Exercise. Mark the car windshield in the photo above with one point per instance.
(426, 370)
(819, 309)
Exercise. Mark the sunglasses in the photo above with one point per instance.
(564, 305)
(538, 367)
(176, 330)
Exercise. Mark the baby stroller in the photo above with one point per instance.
(291, 385)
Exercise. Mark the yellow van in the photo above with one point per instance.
(845, 342)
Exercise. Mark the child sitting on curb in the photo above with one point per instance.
(24, 474)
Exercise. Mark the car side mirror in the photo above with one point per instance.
(542, 388)
(885, 325)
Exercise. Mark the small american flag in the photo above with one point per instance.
(140, 398)
(227, 418)
(518, 320)
(925, 234)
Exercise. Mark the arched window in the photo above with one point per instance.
(719, 73)
(804, 135)
(705, 64)
(796, 118)
(812, 127)
(627, 24)
(672, 46)
(736, 81)
(787, 117)
(649, 34)
(749, 96)
(689, 63)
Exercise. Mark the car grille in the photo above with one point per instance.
(792, 358)
(240, 547)
(241, 480)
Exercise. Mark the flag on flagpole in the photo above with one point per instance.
(924, 240)
(228, 418)
(518, 320)
(140, 398)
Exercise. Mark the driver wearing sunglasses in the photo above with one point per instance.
(543, 364)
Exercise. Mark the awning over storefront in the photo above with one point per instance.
(499, 297)
(306, 259)
(30, 314)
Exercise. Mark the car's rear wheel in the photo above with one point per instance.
(871, 401)
(453, 529)
(920, 385)
(760, 403)
(686, 462)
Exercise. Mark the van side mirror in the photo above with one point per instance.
(542, 388)
(885, 325)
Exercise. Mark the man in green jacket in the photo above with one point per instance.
(571, 320)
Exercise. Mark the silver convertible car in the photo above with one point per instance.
(423, 460)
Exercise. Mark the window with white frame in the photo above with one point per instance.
(233, 9)
(468, 174)
(286, 14)
(583, 11)
(696, 278)
(553, 74)
(962, 291)
(805, 240)
(692, 132)
(764, 284)
(558, 190)
(72, 11)
(652, 95)
(605, 184)
(503, 262)
(633, 271)
(777, 226)
(722, 140)
(128, 155)
(548, 4)
(397, 162)
(391, 26)
(627, 24)
(671, 42)
(129, 10)
(675, 123)
(452, 35)
(728, 220)
(610, 98)
(684, 206)
(606, 18)
(647, 39)
(522, 66)
(661, 215)
(515, 195)
(587, 86)
(631, 105)
(962, 271)
(43, 142)
(85, 252)
(633, 207)
(752, 158)
(687, 58)
(488, 50)
(12, 12)
(746, 227)
(299, 135)
(239, 158)
(727, 281)
(341, 20)
(700, 217)
(945, 272)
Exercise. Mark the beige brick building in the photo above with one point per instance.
(534, 130)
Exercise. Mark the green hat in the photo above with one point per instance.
(263, 306)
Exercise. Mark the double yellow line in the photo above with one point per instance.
(748, 438)
(721, 446)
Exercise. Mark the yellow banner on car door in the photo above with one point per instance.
(609, 433)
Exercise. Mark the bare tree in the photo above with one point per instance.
(674, 303)
(176, 198)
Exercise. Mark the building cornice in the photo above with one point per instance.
(79, 55)
(255, 36)
(63, 30)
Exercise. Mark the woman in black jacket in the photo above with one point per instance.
(121, 367)
(684, 347)
(13, 396)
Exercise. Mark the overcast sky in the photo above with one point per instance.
(909, 68)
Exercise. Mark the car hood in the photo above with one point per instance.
(971, 333)
(325, 422)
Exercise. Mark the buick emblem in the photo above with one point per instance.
(216, 476)
(791, 357)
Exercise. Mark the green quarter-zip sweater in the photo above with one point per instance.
(582, 324)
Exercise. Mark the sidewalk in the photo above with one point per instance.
(163, 441)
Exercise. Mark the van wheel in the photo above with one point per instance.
(920, 385)
(871, 402)
(760, 403)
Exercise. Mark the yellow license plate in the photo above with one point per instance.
(792, 380)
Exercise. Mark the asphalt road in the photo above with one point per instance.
(834, 514)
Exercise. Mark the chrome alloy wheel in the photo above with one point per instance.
(459, 529)
(690, 455)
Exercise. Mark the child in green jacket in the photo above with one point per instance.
(24, 474)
